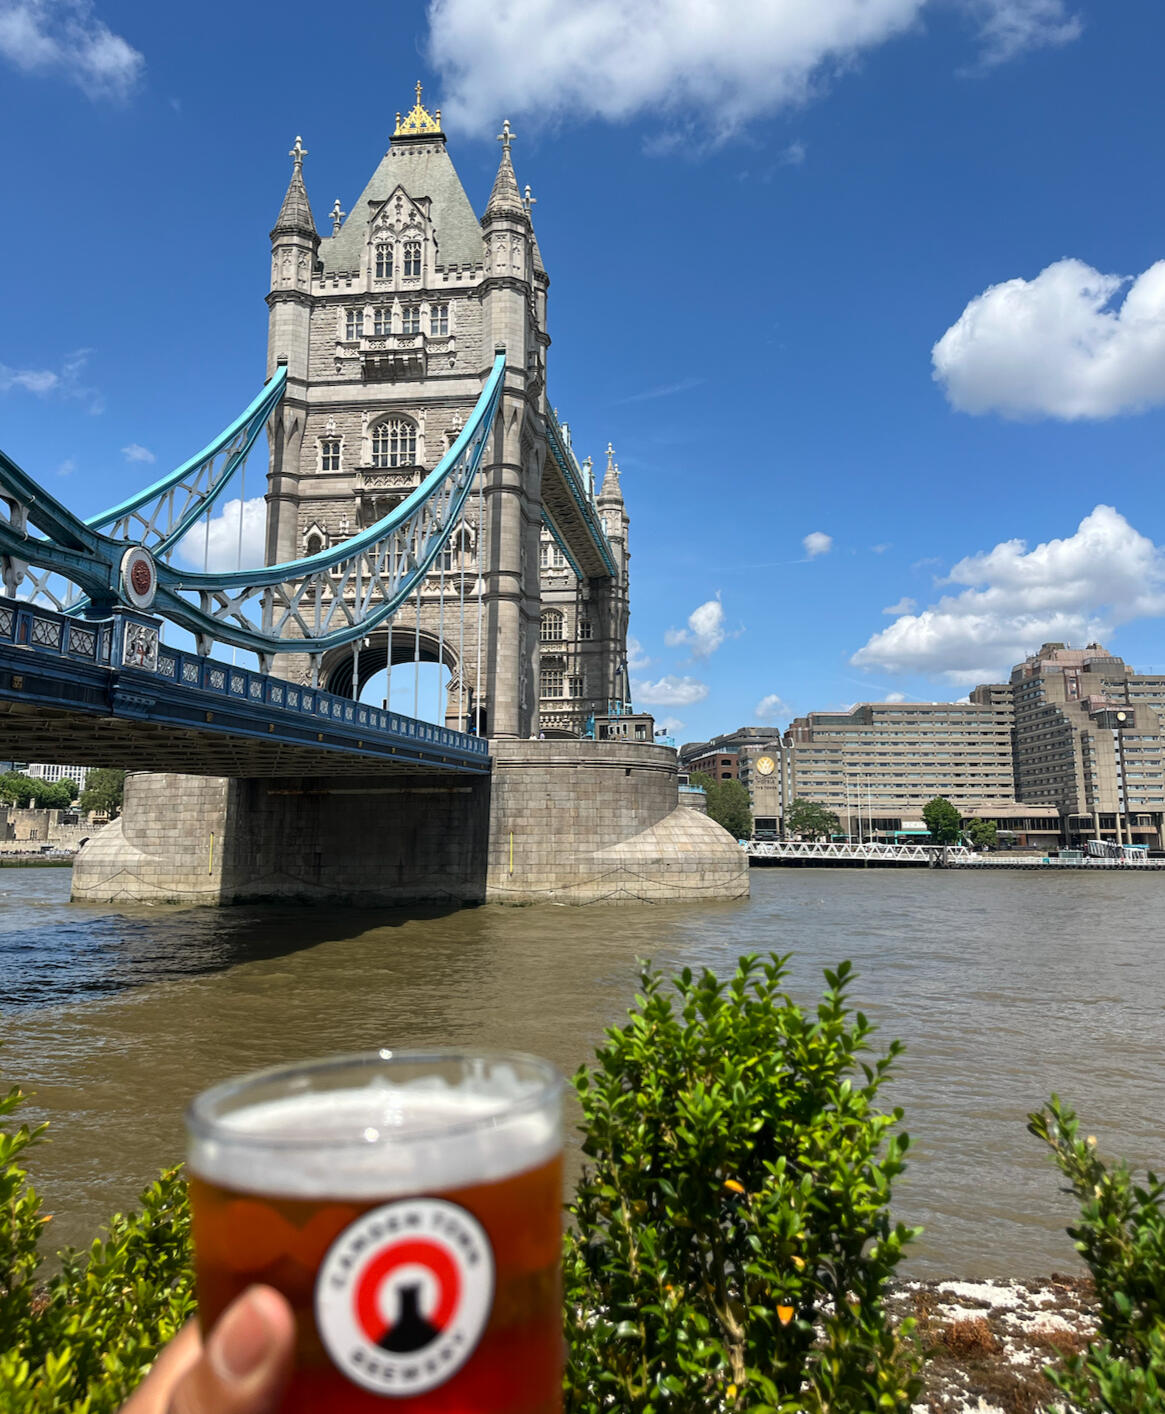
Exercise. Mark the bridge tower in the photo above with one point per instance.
(388, 326)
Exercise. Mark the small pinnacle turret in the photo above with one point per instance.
(611, 489)
(506, 199)
(295, 216)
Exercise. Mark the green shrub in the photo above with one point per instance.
(732, 1240)
(1121, 1236)
(82, 1340)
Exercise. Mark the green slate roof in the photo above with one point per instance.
(423, 169)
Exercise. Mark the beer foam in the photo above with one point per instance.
(381, 1141)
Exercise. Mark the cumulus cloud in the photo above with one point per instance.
(705, 631)
(817, 543)
(65, 382)
(671, 725)
(221, 551)
(703, 66)
(669, 691)
(637, 660)
(1072, 590)
(894, 697)
(66, 37)
(772, 708)
(1062, 345)
(135, 452)
(903, 606)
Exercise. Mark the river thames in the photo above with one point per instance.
(1003, 987)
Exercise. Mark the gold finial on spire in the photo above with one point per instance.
(420, 122)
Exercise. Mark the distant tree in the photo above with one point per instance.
(942, 820)
(728, 804)
(104, 788)
(804, 817)
(983, 834)
(15, 789)
(24, 791)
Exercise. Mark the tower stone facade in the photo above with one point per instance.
(389, 326)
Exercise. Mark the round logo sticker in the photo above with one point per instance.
(404, 1294)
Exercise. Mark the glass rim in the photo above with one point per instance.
(200, 1124)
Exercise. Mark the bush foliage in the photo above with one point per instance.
(732, 1239)
(1121, 1236)
(83, 1340)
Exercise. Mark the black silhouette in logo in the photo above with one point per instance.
(410, 1331)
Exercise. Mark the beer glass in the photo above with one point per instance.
(409, 1207)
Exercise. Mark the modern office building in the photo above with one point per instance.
(51, 773)
(1089, 740)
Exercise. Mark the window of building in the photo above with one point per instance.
(550, 627)
(438, 319)
(576, 685)
(315, 543)
(585, 630)
(394, 443)
(382, 319)
(353, 323)
(384, 260)
(330, 454)
(412, 259)
(550, 682)
(410, 317)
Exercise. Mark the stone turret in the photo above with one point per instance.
(616, 523)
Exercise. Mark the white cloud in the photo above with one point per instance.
(135, 452)
(703, 66)
(66, 383)
(1010, 27)
(1061, 345)
(637, 660)
(1071, 590)
(67, 37)
(705, 631)
(671, 725)
(221, 551)
(772, 708)
(879, 549)
(794, 155)
(903, 606)
(817, 543)
(894, 697)
(669, 691)
(67, 467)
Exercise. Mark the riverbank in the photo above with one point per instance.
(35, 861)
(987, 1342)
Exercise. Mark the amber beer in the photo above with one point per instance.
(409, 1208)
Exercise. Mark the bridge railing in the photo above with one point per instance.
(131, 643)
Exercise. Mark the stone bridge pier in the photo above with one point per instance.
(558, 821)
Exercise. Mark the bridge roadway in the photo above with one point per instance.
(109, 693)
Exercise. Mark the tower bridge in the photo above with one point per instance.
(424, 504)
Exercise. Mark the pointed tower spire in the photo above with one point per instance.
(611, 490)
(295, 214)
(505, 196)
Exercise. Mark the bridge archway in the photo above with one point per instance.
(348, 671)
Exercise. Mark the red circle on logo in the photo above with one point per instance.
(141, 577)
(416, 1252)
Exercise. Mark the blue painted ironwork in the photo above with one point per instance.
(119, 667)
(308, 605)
(567, 463)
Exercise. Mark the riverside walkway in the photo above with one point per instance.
(816, 854)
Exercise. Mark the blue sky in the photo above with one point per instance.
(864, 292)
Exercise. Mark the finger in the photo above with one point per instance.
(153, 1394)
(245, 1362)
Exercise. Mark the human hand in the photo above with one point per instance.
(241, 1369)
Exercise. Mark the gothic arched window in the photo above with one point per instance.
(394, 443)
(315, 543)
(412, 259)
(550, 627)
(384, 260)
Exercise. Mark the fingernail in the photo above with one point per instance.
(243, 1338)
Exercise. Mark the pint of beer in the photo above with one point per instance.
(409, 1208)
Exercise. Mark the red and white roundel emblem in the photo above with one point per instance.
(139, 577)
(404, 1294)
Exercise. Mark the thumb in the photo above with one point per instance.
(246, 1361)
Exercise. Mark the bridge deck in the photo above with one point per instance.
(87, 694)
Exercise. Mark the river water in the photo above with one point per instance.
(1004, 988)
